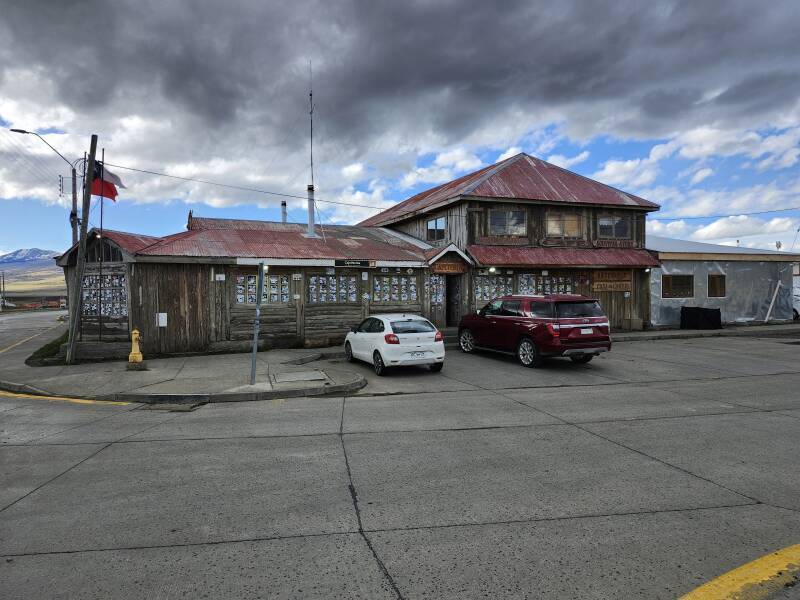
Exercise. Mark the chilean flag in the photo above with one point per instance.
(105, 183)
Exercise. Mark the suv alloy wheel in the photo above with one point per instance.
(466, 341)
(527, 354)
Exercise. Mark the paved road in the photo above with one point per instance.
(641, 475)
(16, 328)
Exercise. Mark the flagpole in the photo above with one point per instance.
(102, 241)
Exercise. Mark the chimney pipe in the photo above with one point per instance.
(283, 211)
(311, 233)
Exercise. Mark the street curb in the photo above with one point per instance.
(327, 390)
(766, 333)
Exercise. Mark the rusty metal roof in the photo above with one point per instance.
(525, 256)
(521, 177)
(237, 238)
(130, 242)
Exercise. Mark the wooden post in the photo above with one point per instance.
(77, 287)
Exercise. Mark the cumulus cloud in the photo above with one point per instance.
(567, 162)
(742, 226)
(221, 91)
(513, 151)
(701, 175)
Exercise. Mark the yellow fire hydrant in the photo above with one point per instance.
(136, 355)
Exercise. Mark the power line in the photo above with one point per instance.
(241, 187)
(741, 214)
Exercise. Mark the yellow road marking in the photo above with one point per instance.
(754, 580)
(14, 345)
(62, 399)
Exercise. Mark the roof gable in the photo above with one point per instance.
(521, 177)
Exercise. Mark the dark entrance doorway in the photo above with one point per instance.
(453, 293)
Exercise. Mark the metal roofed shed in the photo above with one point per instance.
(742, 283)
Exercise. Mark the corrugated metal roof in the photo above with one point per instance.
(236, 238)
(130, 242)
(521, 177)
(525, 256)
(662, 244)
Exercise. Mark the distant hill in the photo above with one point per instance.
(27, 254)
(32, 271)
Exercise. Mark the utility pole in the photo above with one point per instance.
(73, 215)
(77, 292)
(2, 290)
(257, 322)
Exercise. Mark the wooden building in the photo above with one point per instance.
(195, 291)
(526, 226)
(520, 226)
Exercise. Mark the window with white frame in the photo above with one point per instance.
(394, 288)
(716, 285)
(677, 286)
(504, 221)
(435, 229)
(614, 228)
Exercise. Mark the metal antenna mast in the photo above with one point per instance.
(311, 117)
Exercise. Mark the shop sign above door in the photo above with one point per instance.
(612, 281)
(362, 264)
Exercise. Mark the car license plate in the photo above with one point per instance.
(418, 354)
(587, 331)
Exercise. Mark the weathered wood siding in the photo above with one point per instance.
(468, 223)
(182, 291)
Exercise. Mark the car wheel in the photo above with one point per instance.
(527, 353)
(582, 359)
(377, 364)
(796, 314)
(466, 341)
(436, 367)
(348, 352)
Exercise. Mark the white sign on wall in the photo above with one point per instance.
(161, 319)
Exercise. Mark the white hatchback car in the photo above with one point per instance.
(395, 340)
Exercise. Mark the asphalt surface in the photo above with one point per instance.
(641, 475)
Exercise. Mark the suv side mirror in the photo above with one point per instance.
(354, 328)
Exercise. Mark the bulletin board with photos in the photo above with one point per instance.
(332, 288)
(488, 287)
(395, 287)
(276, 288)
(105, 295)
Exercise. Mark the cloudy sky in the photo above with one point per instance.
(694, 105)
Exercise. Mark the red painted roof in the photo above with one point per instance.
(236, 238)
(521, 177)
(524, 256)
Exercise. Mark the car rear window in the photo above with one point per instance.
(572, 310)
(412, 326)
(541, 310)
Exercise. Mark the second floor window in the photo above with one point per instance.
(614, 228)
(436, 229)
(507, 222)
(564, 224)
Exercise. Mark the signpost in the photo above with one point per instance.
(257, 322)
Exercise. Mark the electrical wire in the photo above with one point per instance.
(741, 214)
(240, 187)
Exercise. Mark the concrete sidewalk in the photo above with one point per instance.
(759, 330)
(195, 379)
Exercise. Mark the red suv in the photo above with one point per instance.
(535, 327)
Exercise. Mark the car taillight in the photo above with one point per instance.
(554, 329)
(391, 338)
(439, 337)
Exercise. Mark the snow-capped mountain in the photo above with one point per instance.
(27, 254)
